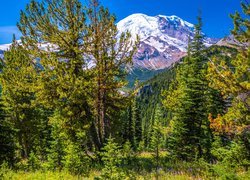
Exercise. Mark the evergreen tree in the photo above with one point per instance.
(112, 158)
(157, 136)
(87, 98)
(111, 55)
(7, 134)
(19, 81)
(56, 149)
(63, 83)
(135, 125)
(189, 135)
(196, 45)
(132, 122)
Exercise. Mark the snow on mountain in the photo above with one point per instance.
(145, 26)
(42, 46)
(5, 47)
(163, 39)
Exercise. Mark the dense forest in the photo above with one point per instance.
(62, 119)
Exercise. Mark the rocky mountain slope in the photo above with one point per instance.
(163, 39)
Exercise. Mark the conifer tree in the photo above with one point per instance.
(59, 25)
(87, 98)
(56, 149)
(111, 55)
(135, 125)
(189, 135)
(157, 136)
(7, 134)
(19, 80)
(112, 158)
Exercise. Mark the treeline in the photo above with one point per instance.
(62, 104)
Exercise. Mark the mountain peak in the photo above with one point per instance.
(163, 39)
(145, 26)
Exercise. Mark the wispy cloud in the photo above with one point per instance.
(6, 33)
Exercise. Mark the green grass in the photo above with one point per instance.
(64, 175)
(140, 168)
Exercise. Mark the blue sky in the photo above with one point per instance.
(215, 13)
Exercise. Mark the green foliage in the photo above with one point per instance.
(75, 160)
(157, 136)
(232, 155)
(127, 154)
(7, 134)
(190, 135)
(57, 114)
(56, 150)
(88, 99)
(141, 75)
(232, 80)
(223, 172)
(19, 82)
(112, 158)
(242, 24)
(33, 162)
(111, 55)
(135, 131)
(149, 96)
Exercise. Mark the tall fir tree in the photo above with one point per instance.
(157, 136)
(136, 127)
(189, 135)
(112, 159)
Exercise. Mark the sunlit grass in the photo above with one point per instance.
(64, 175)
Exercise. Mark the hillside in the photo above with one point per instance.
(151, 91)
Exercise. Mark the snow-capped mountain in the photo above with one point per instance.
(163, 39)
(3, 48)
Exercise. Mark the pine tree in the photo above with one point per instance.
(7, 133)
(56, 149)
(111, 56)
(189, 135)
(112, 158)
(87, 98)
(135, 125)
(19, 78)
(63, 83)
(157, 136)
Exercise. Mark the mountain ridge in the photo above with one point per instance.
(163, 39)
